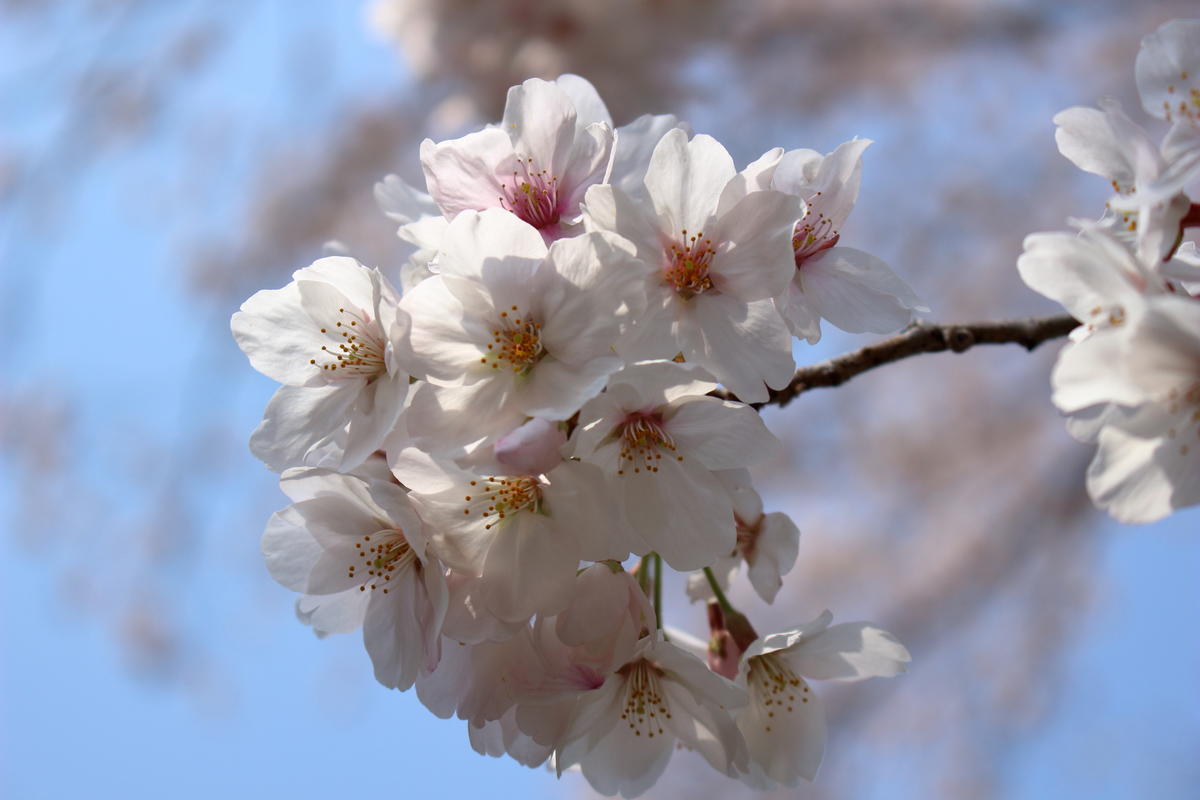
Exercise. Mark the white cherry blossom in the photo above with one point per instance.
(850, 288)
(329, 337)
(357, 550)
(510, 329)
(710, 265)
(523, 535)
(1148, 459)
(624, 732)
(1145, 209)
(783, 722)
(659, 441)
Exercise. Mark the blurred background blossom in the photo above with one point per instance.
(160, 161)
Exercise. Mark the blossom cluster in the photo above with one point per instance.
(492, 451)
(1129, 381)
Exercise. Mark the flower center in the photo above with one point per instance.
(643, 442)
(380, 556)
(532, 195)
(747, 536)
(645, 706)
(1186, 101)
(357, 349)
(775, 687)
(496, 499)
(688, 262)
(516, 343)
(812, 235)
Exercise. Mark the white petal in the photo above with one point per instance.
(464, 173)
(278, 336)
(1085, 137)
(304, 426)
(1126, 478)
(681, 511)
(755, 259)
(857, 292)
(530, 568)
(685, 180)
(849, 651)
(745, 345)
(785, 745)
(720, 434)
(589, 107)
(1089, 373)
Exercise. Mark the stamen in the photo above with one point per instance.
(516, 343)
(500, 498)
(775, 687)
(645, 707)
(643, 442)
(688, 263)
(356, 349)
(812, 235)
(383, 555)
(533, 195)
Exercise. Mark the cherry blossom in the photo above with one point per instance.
(850, 288)
(658, 440)
(1148, 461)
(510, 329)
(537, 163)
(523, 535)
(357, 550)
(624, 732)
(783, 722)
(711, 264)
(329, 338)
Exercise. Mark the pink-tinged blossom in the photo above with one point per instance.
(850, 288)
(328, 337)
(596, 633)
(536, 164)
(710, 266)
(532, 449)
(659, 440)
(356, 549)
(783, 722)
(1147, 372)
(623, 733)
(509, 329)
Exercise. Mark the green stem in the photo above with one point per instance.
(658, 589)
(722, 600)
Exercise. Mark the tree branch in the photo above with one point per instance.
(920, 337)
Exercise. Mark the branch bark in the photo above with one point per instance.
(920, 337)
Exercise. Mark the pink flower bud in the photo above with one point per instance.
(532, 449)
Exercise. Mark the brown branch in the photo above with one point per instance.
(920, 337)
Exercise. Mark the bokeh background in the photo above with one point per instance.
(160, 161)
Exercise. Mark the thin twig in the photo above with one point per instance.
(920, 337)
